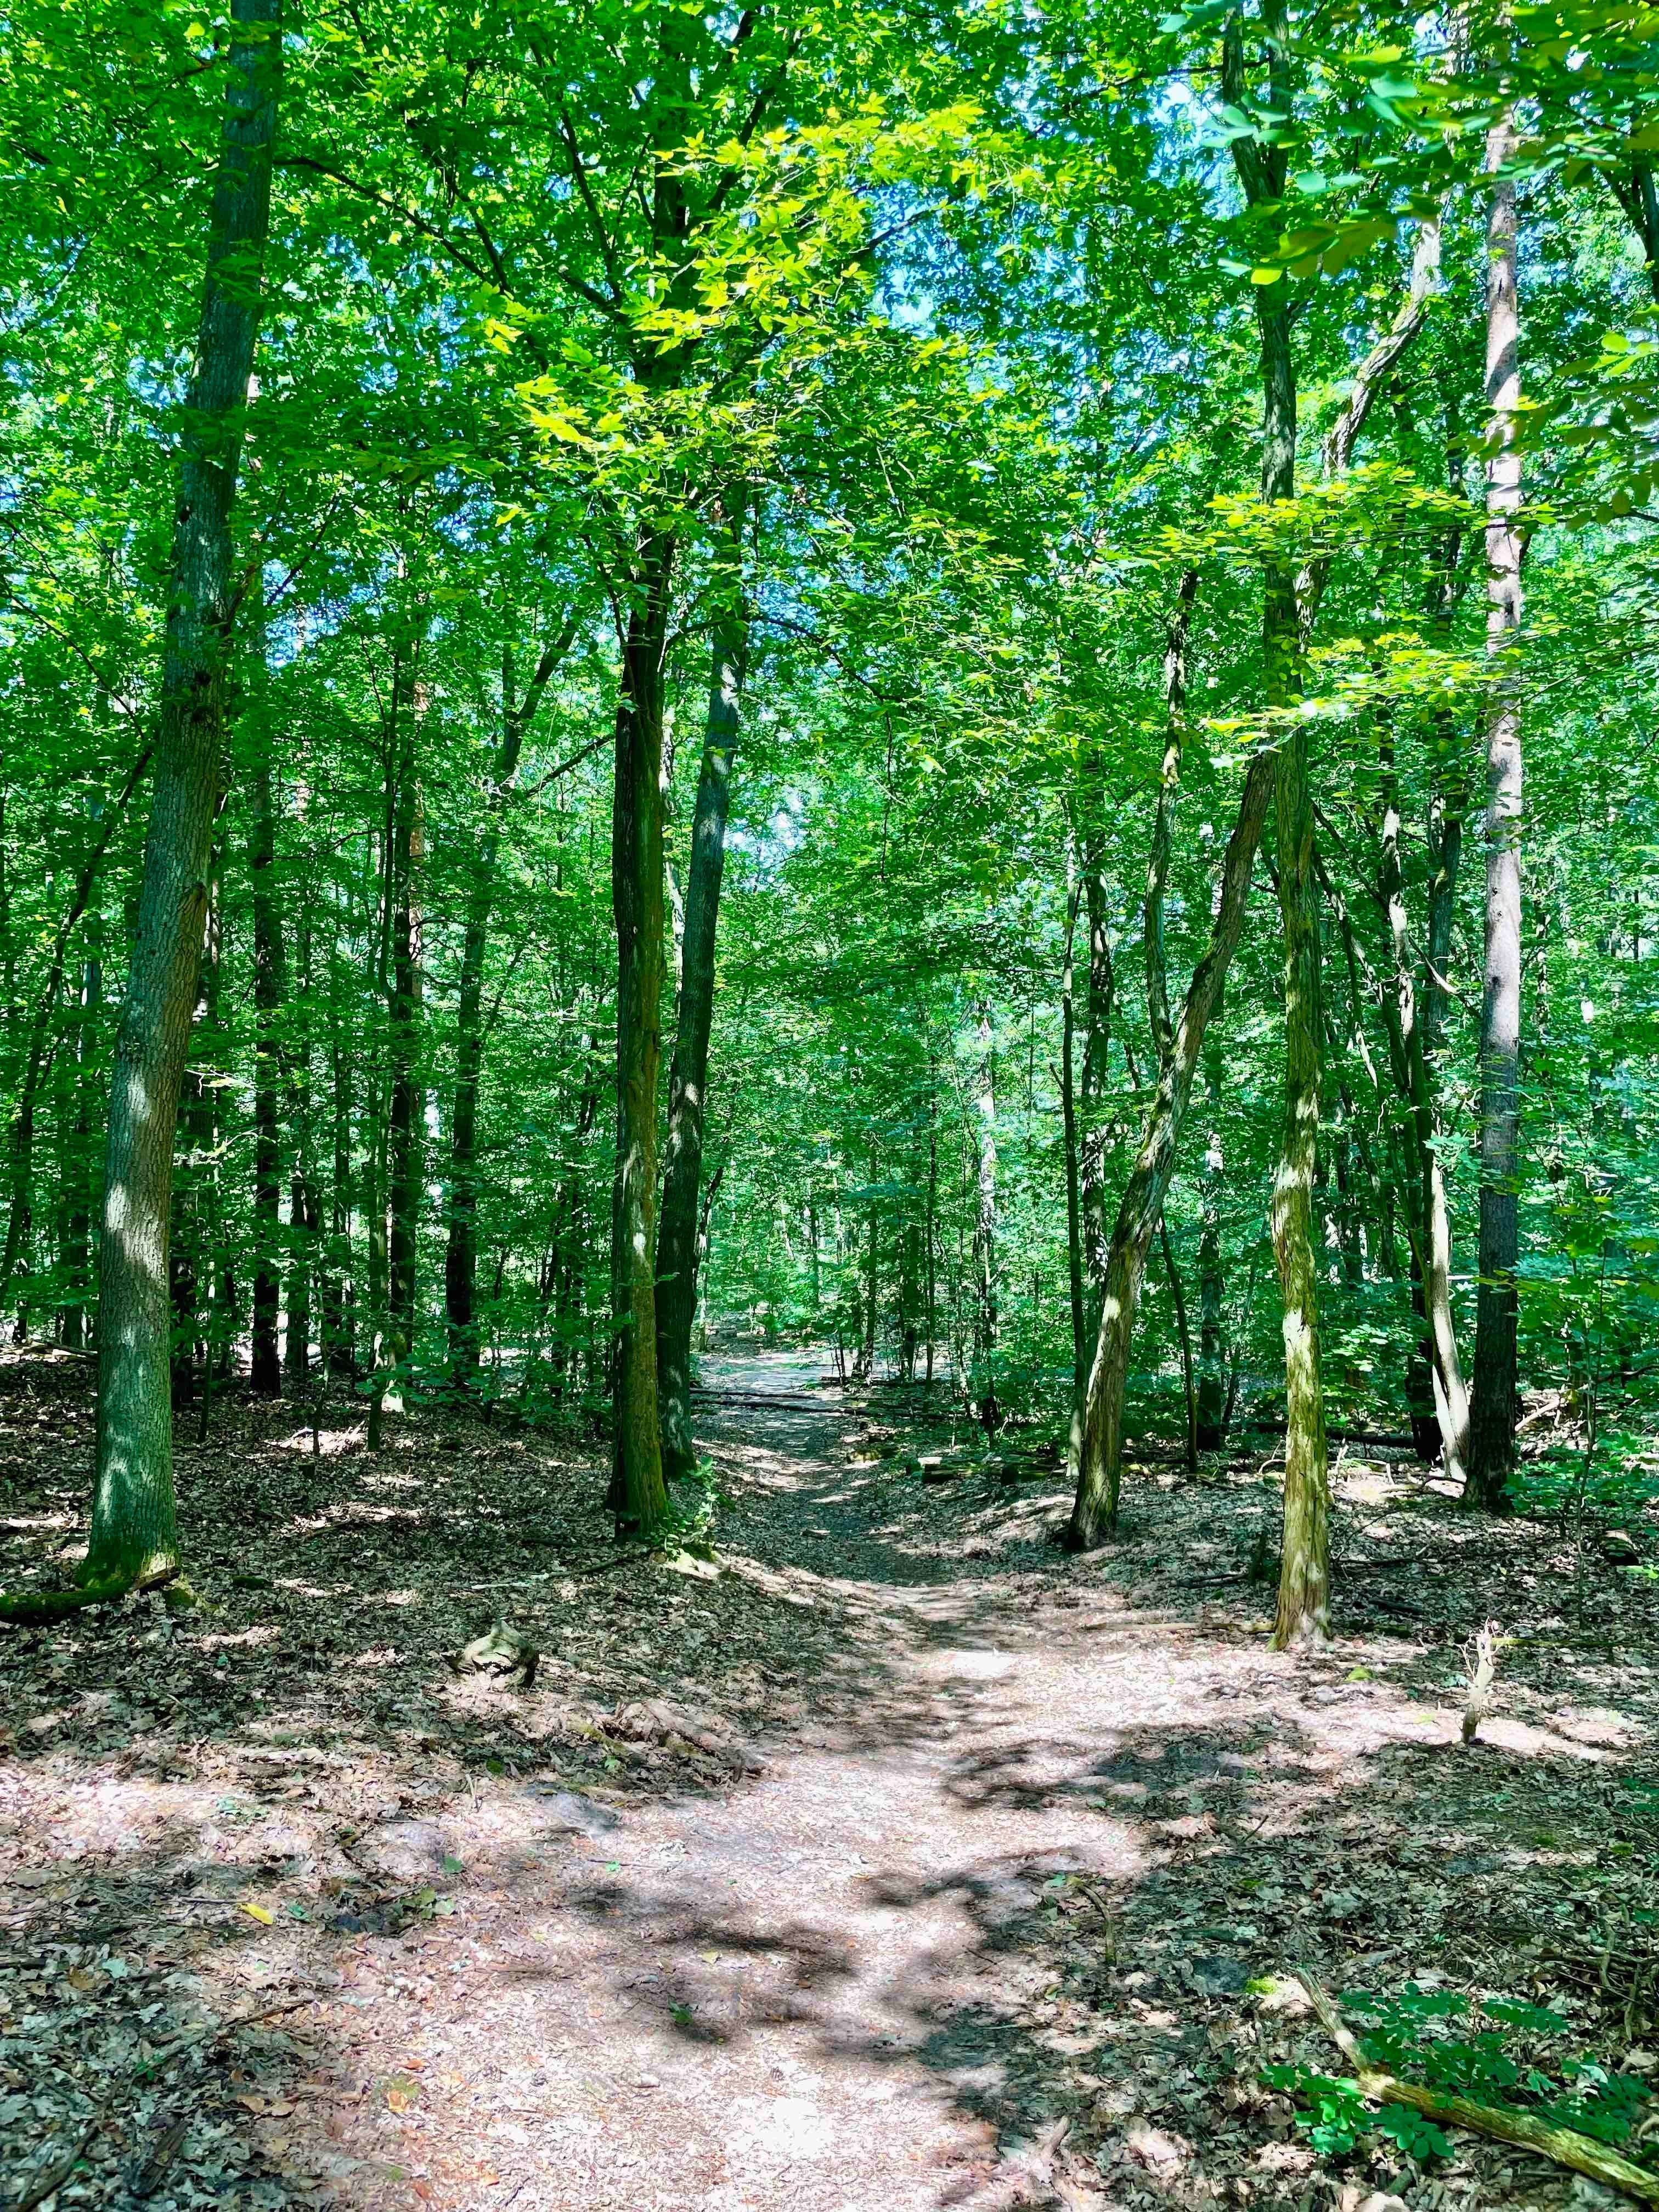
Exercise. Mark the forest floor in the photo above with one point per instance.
(897, 1861)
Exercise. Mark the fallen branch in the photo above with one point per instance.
(1561, 2146)
(55, 2176)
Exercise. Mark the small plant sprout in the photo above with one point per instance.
(1481, 1657)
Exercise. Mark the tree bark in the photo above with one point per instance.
(461, 1254)
(269, 986)
(985, 1226)
(1073, 1201)
(134, 1539)
(638, 1496)
(75, 1325)
(404, 1120)
(1497, 1384)
(687, 1079)
(1211, 1349)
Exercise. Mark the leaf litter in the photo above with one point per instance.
(898, 1861)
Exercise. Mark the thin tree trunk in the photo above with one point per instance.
(1304, 1558)
(985, 1225)
(932, 1211)
(134, 1539)
(1497, 1382)
(1097, 1045)
(1178, 1297)
(461, 1255)
(270, 988)
(1073, 1198)
(404, 1124)
(638, 1496)
(864, 1367)
(78, 1167)
(1211, 1349)
(688, 1080)
(305, 1215)
(338, 1343)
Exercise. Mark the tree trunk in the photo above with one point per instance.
(638, 1496)
(1211, 1349)
(1305, 1558)
(269, 986)
(1497, 1384)
(75, 1329)
(403, 1121)
(1073, 1197)
(1184, 1336)
(339, 1338)
(134, 1539)
(985, 1222)
(1097, 1045)
(688, 1080)
(461, 1254)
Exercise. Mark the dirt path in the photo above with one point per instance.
(978, 1931)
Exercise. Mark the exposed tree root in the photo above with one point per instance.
(40, 1608)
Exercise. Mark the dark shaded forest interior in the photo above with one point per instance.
(830, 1067)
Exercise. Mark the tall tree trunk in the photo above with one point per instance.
(1073, 1197)
(338, 1340)
(985, 1225)
(269, 988)
(865, 1366)
(78, 1168)
(1184, 1336)
(134, 1539)
(461, 1253)
(1497, 1382)
(1427, 1209)
(305, 1217)
(1304, 1560)
(403, 1119)
(1098, 1009)
(930, 1225)
(638, 1496)
(1211, 1349)
(687, 1079)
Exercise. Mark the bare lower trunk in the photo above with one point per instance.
(270, 980)
(1304, 1560)
(133, 1533)
(405, 1131)
(1497, 1385)
(1074, 1205)
(1211, 1349)
(687, 1079)
(985, 1225)
(637, 1493)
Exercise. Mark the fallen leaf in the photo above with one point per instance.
(260, 1913)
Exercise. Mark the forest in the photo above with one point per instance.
(829, 1068)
